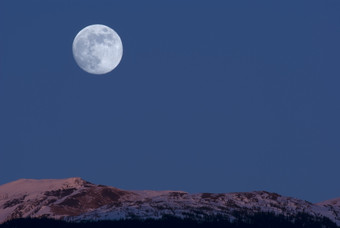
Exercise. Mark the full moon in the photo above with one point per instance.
(97, 49)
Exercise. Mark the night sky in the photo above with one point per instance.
(210, 96)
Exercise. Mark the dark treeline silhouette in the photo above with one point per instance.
(259, 220)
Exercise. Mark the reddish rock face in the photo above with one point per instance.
(88, 199)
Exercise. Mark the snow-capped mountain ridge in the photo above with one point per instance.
(76, 199)
(33, 186)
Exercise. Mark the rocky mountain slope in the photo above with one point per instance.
(76, 199)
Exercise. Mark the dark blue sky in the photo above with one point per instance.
(214, 96)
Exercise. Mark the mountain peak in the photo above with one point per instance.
(30, 186)
(76, 181)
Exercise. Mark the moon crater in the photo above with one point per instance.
(97, 49)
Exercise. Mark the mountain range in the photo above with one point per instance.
(75, 199)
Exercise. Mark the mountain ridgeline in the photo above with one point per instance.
(75, 202)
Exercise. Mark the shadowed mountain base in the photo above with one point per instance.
(259, 220)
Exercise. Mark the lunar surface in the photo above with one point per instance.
(97, 49)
